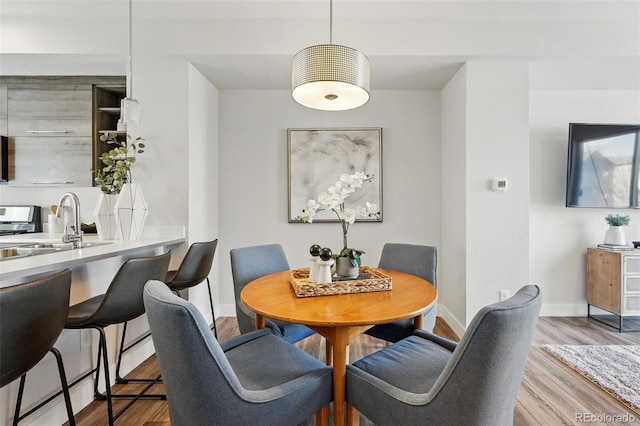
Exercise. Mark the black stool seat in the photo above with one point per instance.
(194, 269)
(122, 302)
(78, 314)
(32, 316)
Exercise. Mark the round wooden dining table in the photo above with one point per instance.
(340, 317)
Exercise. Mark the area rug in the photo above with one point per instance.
(614, 368)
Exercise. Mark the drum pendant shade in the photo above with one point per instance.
(330, 77)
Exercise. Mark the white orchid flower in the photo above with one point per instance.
(349, 216)
(334, 199)
(328, 201)
(312, 205)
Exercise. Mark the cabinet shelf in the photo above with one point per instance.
(107, 98)
(112, 131)
(110, 110)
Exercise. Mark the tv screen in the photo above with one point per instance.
(602, 169)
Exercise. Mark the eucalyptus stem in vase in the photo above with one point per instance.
(118, 162)
(111, 178)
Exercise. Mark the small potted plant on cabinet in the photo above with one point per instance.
(615, 234)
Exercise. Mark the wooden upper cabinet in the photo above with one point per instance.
(4, 118)
(49, 110)
(52, 126)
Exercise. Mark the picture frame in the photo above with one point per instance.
(318, 157)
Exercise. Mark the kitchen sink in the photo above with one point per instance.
(22, 250)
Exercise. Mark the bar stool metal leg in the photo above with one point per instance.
(65, 391)
(213, 315)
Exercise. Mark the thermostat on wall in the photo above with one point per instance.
(499, 184)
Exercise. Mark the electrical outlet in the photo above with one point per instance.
(503, 294)
(85, 339)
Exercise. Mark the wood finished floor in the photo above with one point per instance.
(551, 393)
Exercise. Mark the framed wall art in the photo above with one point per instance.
(317, 159)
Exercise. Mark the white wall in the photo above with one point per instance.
(253, 174)
(203, 177)
(560, 236)
(452, 259)
(485, 136)
(497, 146)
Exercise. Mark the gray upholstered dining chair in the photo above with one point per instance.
(418, 260)
(428, 378)
(250, 263)
(255, 378)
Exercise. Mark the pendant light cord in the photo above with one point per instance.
(330, 21)
(130, 83)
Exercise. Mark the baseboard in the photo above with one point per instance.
(227, 310)
(563, 310)
(451, 320)
(547, 310)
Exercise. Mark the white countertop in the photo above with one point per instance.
(30, 265)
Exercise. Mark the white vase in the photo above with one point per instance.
(615, 236)
(106, 217)
(345, 269)
(131, 212)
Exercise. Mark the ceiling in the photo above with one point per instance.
(412, 44)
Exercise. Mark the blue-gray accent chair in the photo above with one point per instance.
(250, 263)
(421, 261)
(255, 378)
(426, 378)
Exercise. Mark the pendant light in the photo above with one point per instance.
(330, 77)
(129, 107)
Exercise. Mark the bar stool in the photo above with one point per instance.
(193, 269)
(32, 317)
(121, 303)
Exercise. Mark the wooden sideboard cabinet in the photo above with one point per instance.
(613, 284)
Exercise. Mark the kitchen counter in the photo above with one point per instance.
(92, 268)
(15, 271)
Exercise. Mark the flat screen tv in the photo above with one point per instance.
(603, 165)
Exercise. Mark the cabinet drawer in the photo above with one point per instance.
(43, 160)
(51, 109)
(632, 284)
(632, 265)
(632, 305)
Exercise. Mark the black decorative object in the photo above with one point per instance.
(326, 253)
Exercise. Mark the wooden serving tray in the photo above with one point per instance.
(299, 280)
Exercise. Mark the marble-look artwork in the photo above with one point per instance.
(317, 158)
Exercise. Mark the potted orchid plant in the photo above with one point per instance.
(334, 199)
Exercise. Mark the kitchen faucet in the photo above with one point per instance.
(72, 233)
